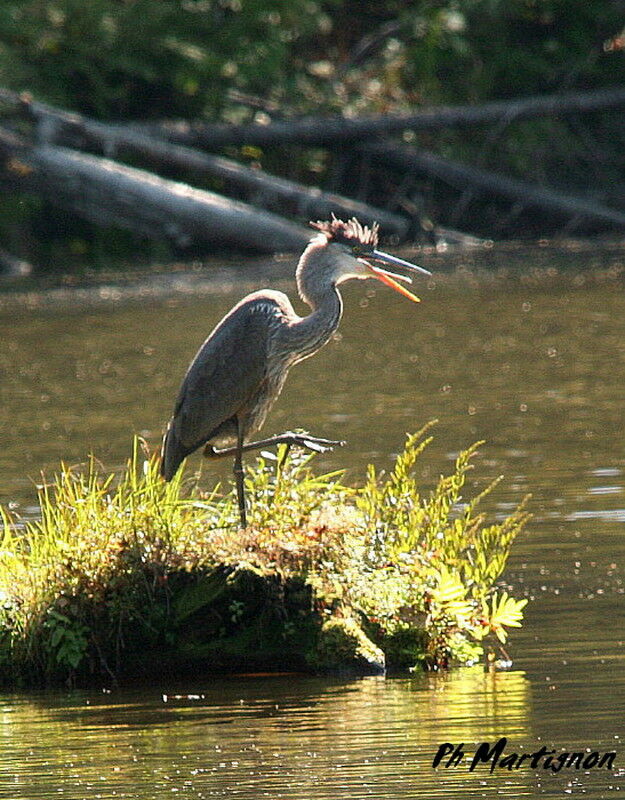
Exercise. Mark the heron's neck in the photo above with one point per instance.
(308, 334)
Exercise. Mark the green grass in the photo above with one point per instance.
(123, 566)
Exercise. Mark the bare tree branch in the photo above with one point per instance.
(331, 130)
(468, 178)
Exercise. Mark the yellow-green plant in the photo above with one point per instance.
(434, 554)
(97, 574)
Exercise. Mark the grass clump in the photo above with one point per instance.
(116, 570)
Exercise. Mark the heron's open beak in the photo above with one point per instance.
(391, 278)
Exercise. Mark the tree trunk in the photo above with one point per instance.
(112, 194)
(467, 177)
(319, 131)
(282, 196)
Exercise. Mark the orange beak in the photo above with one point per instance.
(391, 278)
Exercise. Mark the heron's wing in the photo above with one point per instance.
(225, 374)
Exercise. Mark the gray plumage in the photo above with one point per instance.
(238, 372)
(240, 369)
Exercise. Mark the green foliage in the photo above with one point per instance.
(151, 58)
(203, 59)
(488, 49)
(504, 612)
(342, 641)
(431, 560)
(68, 640)
(148, 58)
(117, 566)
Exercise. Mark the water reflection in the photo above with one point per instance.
(298, 738)
(251, 738)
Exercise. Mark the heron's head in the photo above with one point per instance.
(348, 250)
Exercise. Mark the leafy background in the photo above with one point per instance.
(244, 60)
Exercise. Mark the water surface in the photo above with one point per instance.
(528, 356)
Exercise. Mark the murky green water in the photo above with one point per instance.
(534, 364)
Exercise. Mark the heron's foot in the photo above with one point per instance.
(314, 443)
(289, 438)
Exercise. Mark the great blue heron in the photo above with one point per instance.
(240, 369)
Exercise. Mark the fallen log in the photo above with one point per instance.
(319, 131)
(69, 129)
(112, 194)
(465, 177)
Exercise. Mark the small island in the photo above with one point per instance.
(126, 577)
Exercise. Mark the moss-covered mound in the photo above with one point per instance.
(131, 577)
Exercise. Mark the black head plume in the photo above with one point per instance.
(351, 233)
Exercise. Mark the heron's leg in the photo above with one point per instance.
(289, 438)
(239, 475)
